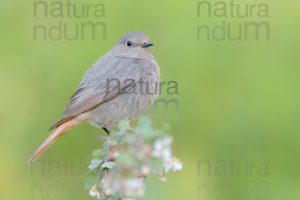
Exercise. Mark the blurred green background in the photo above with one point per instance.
(239, 101)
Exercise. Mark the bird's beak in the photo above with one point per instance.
(146, 45)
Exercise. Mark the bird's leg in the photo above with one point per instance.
(107, 129)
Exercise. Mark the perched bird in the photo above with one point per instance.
(120, 85)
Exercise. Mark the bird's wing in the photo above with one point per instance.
(94, 89)
(87, 100)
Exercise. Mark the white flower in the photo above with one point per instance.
(94, 163)
(146, 170)
(162, 148)
(174, 165)
(94, 192)
(134, 188)
(163, 178)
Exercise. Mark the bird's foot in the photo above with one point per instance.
(102, 125)
(107, 129)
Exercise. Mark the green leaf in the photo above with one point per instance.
(97, 153)
(125, 159)
(144, 122)
(148, 133)
(124, 125)
(94, 164)
(91, 179)
(108, 165)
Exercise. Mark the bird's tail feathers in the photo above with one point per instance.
(60, 131)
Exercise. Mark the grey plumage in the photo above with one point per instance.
(120, 85)
(122, 63)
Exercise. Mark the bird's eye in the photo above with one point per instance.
(129, 43)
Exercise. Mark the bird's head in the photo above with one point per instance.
(133, 45)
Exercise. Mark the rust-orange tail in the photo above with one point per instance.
(60, 131)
